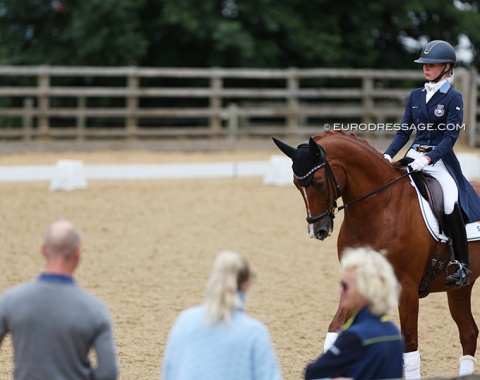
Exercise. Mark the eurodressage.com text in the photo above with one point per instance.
(392, 127)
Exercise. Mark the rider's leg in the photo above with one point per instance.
(455, 222)
(456, 231)
(447, 183)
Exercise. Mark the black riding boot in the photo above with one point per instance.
(458, 236)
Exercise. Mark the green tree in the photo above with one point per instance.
(267, 33)
(230, 33)
(93, 32)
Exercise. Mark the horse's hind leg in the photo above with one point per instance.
(459, 303)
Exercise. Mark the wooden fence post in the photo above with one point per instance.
(367, 101)
(292, 100)
(472, 114)
(27, 118)
(43, 102)
(233, 121)
(462, 81)
(81, 118)
(132, 103)
(216, 84)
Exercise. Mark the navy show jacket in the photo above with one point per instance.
(438, 123)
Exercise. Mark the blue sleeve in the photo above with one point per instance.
(405, 130)
(336, 362)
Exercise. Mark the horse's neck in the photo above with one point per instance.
(365, 172)
(374, 205)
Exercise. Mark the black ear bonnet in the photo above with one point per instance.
(307, 158)
(310, 157)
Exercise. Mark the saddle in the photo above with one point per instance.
(431, 191)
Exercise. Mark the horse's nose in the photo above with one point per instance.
(322, 230)
(322, 233)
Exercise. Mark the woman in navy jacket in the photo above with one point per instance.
(435, 111)
(369, 346)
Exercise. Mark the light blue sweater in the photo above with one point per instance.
(241, 350)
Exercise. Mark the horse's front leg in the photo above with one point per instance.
(459, 303)
(339, 319)
(408, 312)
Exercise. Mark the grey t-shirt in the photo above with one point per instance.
(54, 323)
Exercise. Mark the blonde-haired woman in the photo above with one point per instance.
(369, 345)
(217, 340)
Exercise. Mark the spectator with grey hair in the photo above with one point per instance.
(217, 340)
(53, 322)
(369, 345)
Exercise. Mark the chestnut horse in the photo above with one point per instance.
(383, 217)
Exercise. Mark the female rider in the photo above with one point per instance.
(435, 111)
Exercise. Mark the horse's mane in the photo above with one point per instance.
(351, 136)
(397, 167)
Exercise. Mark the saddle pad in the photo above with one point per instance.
(473, 229)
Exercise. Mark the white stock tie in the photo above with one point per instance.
(431, 89)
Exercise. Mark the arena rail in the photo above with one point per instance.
(75, 104)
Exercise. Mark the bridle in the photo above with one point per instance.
(332, 186)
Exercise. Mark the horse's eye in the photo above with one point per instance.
(318, 185)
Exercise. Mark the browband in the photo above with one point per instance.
(310, 172)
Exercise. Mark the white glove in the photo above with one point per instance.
(387, 157)
(419, 163)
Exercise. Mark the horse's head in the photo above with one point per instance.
(319, 188)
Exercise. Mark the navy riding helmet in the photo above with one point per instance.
(439, 51)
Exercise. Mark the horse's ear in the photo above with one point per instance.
(313, 148)
(290, 151)
(316, 150)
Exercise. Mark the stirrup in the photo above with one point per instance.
(459, 277)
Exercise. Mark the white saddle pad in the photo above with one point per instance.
(473, 229)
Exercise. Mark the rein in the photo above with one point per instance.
(334, 209)
(374, 191)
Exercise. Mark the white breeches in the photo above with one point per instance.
(440, 172)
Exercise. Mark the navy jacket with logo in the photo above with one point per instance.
(368, 347)
(438, 123)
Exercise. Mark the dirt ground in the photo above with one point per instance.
(149, 246)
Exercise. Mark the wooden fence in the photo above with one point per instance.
(45, 103)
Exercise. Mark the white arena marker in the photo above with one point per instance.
(69, 175)
(279, 171)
